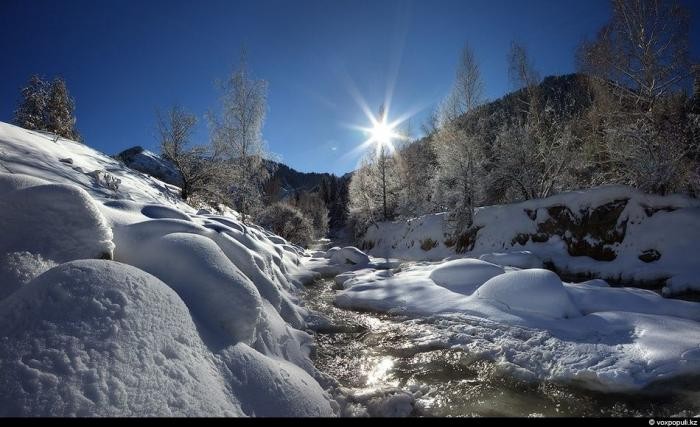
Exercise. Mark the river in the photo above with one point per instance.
(367, 351)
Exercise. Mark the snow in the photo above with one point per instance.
(532, 290)
(349, 255)
(533, 326)
(58, 221)
(198, 314)
(669, 225)
(464, 276)
(152, 164)
(95, 337)
(519, 259)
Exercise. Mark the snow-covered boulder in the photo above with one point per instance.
(96, 337)
(349, 255)
(464, 276)
(254, 378)
(214, 289)
(535, 290)
(61, 222)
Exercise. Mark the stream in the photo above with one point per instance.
(367, 351)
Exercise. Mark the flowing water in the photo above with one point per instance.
(368, 351)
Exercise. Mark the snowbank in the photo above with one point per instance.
(535, 327)
(614, 232)
(58, 221)
(198, 316)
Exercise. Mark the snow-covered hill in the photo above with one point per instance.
(116, 298)
(615, 233)
(150, 163)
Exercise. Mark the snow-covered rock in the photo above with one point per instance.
(519, 259)
(103, 338)
(464, 276)
(534, 290)
(60, 222)
(349, 255)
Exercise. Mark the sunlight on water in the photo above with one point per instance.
(379, 373)
(370, 352)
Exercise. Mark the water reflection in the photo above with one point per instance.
(380, 372)
(370, 353)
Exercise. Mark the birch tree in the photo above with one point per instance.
(238, 136)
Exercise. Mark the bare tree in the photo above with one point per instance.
(467, 89)
(200, 167)
(643, 50)
(238, 135)
(523, 76)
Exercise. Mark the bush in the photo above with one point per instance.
(287, 222)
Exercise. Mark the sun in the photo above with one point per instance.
(382, 133)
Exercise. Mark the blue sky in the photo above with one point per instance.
(124, 59)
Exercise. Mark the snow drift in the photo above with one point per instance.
(197, 314)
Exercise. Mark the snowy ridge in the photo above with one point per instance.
(116, 298)
(667, 229)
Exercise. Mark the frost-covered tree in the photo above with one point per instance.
(200, 167)
(237, 133)
(531, 161)
(59, 115)
(467, 90)
(30, 112)
(638, 61)
(314, 208)
(457, 182)
(456, 185)
(419, 166)
(375, 189)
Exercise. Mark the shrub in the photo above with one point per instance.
(287, 222)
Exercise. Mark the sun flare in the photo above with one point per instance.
(382, 133)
